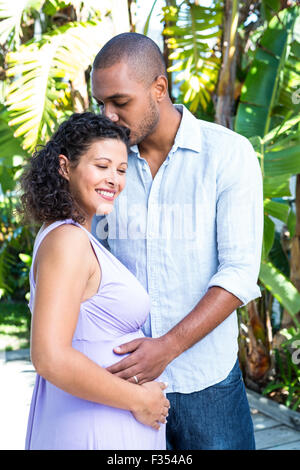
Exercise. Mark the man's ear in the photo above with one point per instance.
(160, 87)
(64, 166)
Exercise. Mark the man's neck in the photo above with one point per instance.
(156, 147)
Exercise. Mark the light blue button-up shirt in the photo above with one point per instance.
(198, 223)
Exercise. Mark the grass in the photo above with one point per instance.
(15, 320)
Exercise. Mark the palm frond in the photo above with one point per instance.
(11, 13)
(193, 32)
(33, 99)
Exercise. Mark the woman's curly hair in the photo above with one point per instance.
(45, 193)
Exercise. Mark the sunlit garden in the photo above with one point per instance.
(230, 62)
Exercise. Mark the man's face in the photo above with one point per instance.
(126, 101)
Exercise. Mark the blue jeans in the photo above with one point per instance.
(215, 418)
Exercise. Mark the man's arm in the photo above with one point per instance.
(239, 217)
(150, 356)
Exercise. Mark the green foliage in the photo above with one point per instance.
(15, 321)
(268, 117)
(10, 145)
(41, 94)
(48, 47)
(268, 8)
(193, 36)
(16, 243)
(271, 64)
(147, 24)
(278, 257)
(11, 16)
(52, 6)
(278, 152)
(287, 378)
(281, 288)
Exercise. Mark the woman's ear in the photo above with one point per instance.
(64, 166)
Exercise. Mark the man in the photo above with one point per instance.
(189, 227)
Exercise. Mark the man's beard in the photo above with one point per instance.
(148, 125)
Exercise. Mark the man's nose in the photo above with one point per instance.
(111, 114)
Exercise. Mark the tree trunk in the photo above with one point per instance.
(166, 51)
(258, 354)
(225, 91)
(132, 15)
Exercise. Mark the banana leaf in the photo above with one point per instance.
(282, 162)
(276, 186)
(281, 288)
(268, 236)
(277, 209)
(278, 257)
(277, 131)
(269, 7)
(35, 101)
(259, 92)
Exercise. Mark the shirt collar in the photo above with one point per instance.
(188, 135)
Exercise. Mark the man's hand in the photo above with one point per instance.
(148, 357)
(147, 360)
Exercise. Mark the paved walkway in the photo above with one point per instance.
(17, 378)
(16, 384)
(273, 435)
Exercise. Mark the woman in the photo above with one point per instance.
(84, 301)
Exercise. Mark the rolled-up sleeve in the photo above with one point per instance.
(239, 222)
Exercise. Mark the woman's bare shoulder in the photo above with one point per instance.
(65, 240)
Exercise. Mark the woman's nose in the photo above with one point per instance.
(112, 178)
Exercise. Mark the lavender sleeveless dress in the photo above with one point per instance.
(114, 315)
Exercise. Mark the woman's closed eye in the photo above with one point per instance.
(103, 167)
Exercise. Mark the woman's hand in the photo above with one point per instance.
(154, 406)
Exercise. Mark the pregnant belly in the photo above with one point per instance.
(102, 352)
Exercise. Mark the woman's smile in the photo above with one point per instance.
(106, 194)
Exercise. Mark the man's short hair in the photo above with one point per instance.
(143, 56)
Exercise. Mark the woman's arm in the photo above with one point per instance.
(64, 264)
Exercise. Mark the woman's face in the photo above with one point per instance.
(99, 177)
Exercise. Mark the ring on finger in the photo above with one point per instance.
(136, 379)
